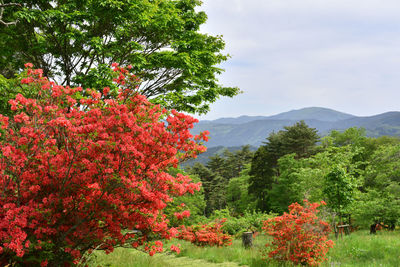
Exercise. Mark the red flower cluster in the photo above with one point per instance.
(206, 234)
(177, 248)
(183, 214)
(154, 248)
(76, 170)
(299, 236)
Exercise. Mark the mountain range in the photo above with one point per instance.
(253, 130)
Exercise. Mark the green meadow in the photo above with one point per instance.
(358, 249)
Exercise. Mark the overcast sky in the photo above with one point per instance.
(290, 54)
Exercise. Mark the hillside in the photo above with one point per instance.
(235, 132)
(203, 158)
(312, 113)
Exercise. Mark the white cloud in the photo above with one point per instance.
(288, 54)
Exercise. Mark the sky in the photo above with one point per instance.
(291, 54)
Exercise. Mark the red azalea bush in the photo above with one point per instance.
(182, 215)
(206, 234)
(77, 168)
(299, 236)
(176, 248)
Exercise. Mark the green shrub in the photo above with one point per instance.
(249, 221)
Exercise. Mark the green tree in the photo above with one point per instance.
(374, 207)
(298, 139)
(217, 164)
(351, 136)
(206, 177)
(217, 174)
(383, 168)
(364, 147)
(237, 196)
(304, 178)
(75, 42)
(286, 188)
(339, 191)
(236, 161)
(380, 202)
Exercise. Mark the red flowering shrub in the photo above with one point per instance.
(77, 170)
(177, 248)
(183, 214)
(299, 236)
(206, 234)
(157, 246)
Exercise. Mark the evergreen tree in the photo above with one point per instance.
(218, 173)
(298, 139)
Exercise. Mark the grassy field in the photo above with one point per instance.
(358, 249)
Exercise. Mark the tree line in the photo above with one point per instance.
(355, 175)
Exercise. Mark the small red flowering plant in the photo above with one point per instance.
(210, 234)
(176, 248)
(78, 167)
(299, 236)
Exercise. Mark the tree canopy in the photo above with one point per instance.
(298, 139)
(75, 42)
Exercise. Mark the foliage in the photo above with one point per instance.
(298, 139)
(218, 173)
(194, 203)
(287, 188)
(237, 196)
(379, 202)
(384, 168)
(351, 136)
(236, 225)
(301, 178)
(75, 41)
(210, 234)
(73, 178)
(299, 236)
(375, 207)
(9, 88)
(339, 189)
(207, 178)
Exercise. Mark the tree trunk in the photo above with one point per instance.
(247, 239)
(372, 229)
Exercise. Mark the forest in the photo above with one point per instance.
(97, 108)
(355, 175)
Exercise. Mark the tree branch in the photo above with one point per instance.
(2, 6)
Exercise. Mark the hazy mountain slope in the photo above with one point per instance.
(312, 113)
(383, 124)
(238, 120)
(254, 132)
(211, 151)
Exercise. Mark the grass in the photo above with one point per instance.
(358, 249)
(363, 249)
(127, 258)
(234, 253)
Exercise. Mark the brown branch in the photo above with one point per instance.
(2, 6)
(9, 4)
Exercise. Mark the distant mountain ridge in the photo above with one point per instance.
(253, 130)
(313, 113)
